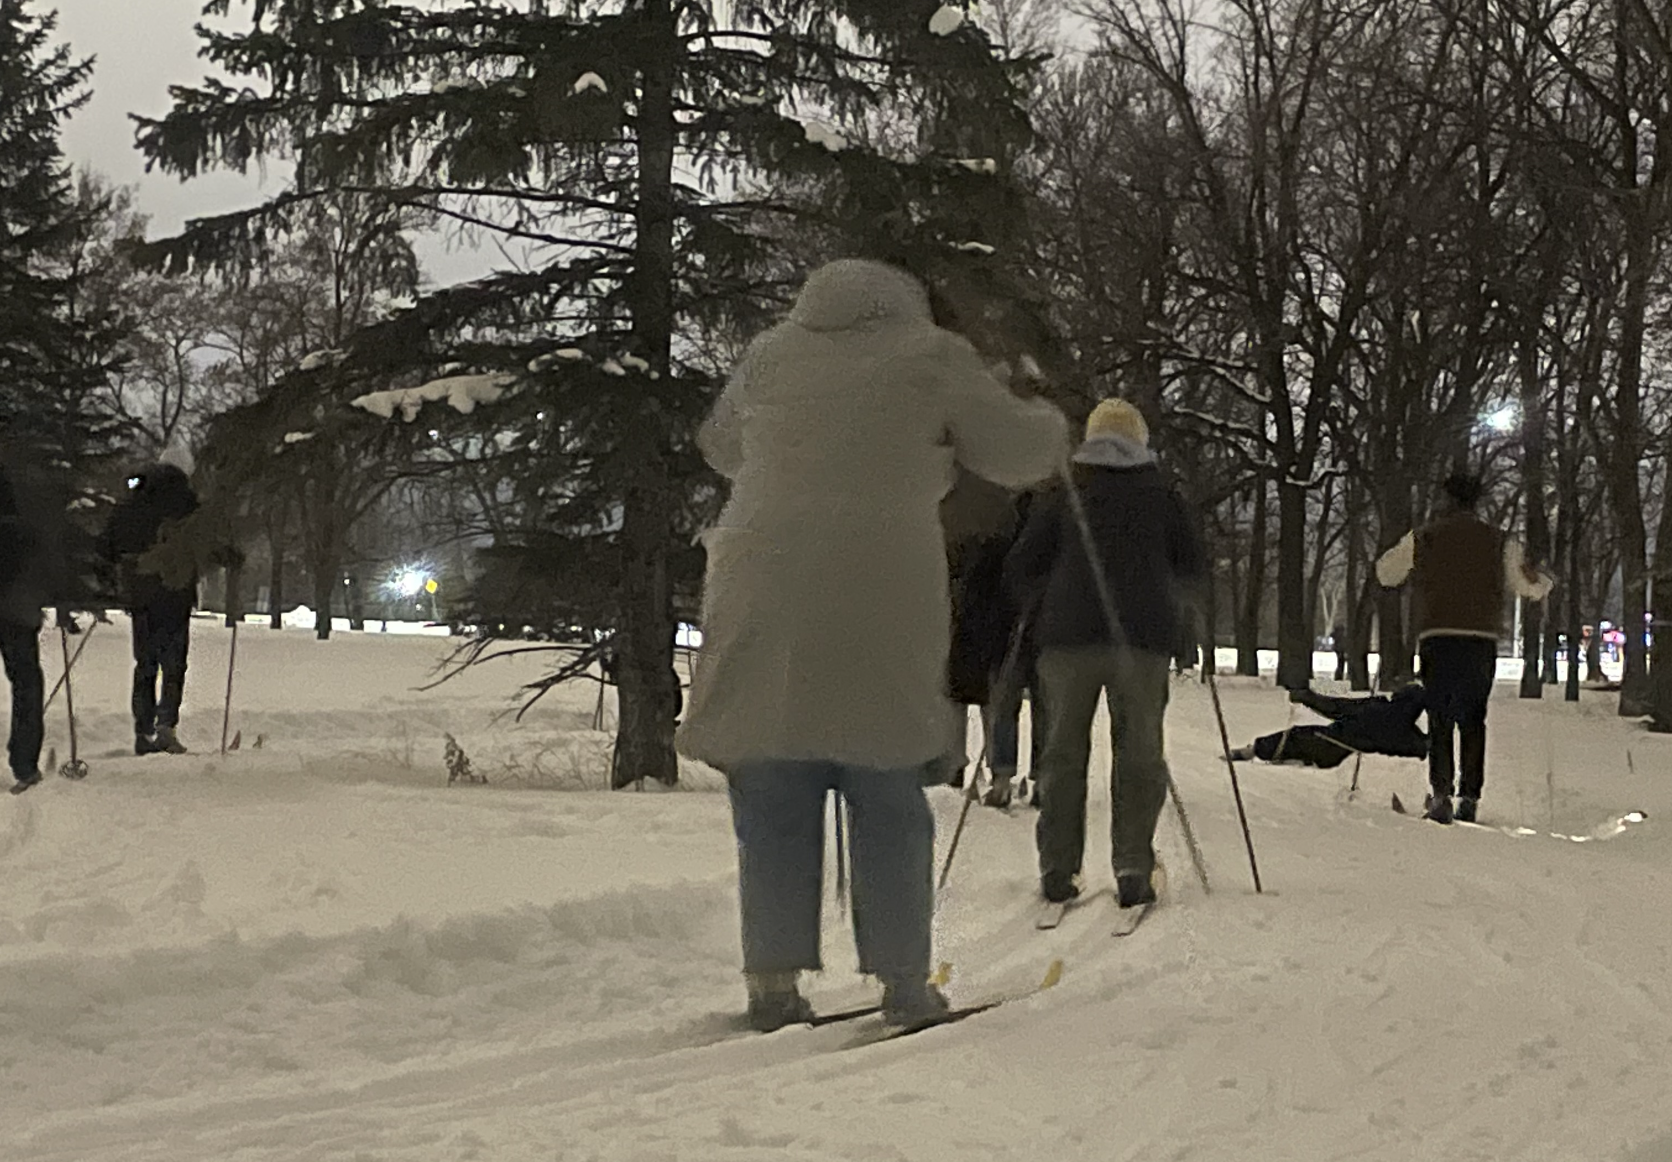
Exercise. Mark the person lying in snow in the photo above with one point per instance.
(1385, 724)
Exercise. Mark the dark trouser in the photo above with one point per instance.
(160, 644)
(778, 812)
(21, 647)
(1310, 746)
(1073, 681)
(1340, 664)
(1004, 724)
(1458, 673)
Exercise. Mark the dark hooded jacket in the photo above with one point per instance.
(158, 498)
(35, 543)
(1147, 545)
(1374, 725)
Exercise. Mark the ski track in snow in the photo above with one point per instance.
(318, 950)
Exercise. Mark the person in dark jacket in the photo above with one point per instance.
(1155, 567)
(1384, 724)
(158, 595)
(21, 599)
(1461, 570)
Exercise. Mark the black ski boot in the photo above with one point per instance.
(1437, 808)
(1465, 812)
(1058, 887)
(25, 780)
(1134, 888)
(146, 744)
(168, 741)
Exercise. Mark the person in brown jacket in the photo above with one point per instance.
(1460, 569)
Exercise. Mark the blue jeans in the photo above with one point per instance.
(778, 814)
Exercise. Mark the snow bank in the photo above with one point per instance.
(318, 950)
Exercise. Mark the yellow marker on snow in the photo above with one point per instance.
(943, 975)
(1052, 975)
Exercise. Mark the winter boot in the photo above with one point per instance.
(26, 779)
(1243, 754)
(913, 1001)
(775, 1001)
(1438, 808)
(998, 795)
(1058, 887)
(1134, 888)
(168, 741)
(1465, 812)
(145, 744)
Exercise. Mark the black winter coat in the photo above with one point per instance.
(1375, 725)
(1148, 547)
(38, 567)
(156, 497)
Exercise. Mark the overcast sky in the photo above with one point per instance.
(141, 48)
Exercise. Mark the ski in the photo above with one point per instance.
(819, 1020)
(1608, 830)
(1050, 915)
(1126, 923)
(952, 1016)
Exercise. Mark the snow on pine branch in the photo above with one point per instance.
(320, 359)
(946, 20)
(588, 81)
(462, 393)
(978, 164)
(821, 134)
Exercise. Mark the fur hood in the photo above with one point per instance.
(858, 294)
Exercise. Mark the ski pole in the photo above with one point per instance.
(75, 768)
(1117, 637)
(1007, 674)
(1358, 759)
(1236, 787)
(231, 662)
(59, 685)
(841, 854)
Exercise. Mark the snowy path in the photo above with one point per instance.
(319, 951)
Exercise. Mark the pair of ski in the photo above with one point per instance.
(1126, 921)
(952, 1016)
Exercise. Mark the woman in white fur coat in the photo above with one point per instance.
(826, 613)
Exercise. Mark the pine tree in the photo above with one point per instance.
(636, 155)
(58, 339)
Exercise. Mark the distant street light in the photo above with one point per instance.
(1503, 419)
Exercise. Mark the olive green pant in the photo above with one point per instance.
(1072, 682)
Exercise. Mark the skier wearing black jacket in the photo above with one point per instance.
(1154, 563)
(158, 599)
(1375, 725)
(22, 594)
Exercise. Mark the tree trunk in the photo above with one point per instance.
(1315, 579)
(324, 593)
(647, 682)
(1254, 588)
(234, 594)
(356, 601)
(275, 577)
(1575, 627)
(1660, 656)
(1294, 644)
(1624, 460)
(1532, 486)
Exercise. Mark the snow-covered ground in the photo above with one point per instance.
(317, 950)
